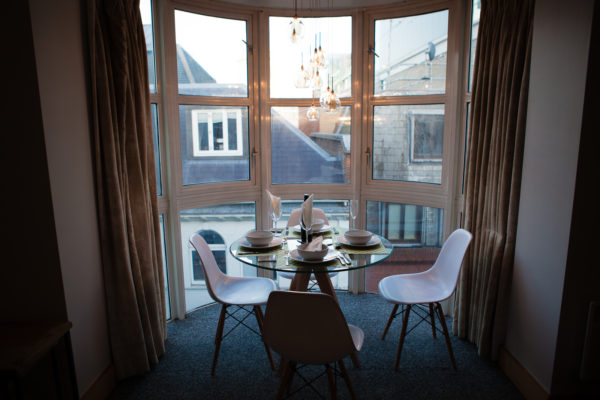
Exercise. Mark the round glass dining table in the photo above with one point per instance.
(281, 255)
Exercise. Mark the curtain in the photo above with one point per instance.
(493, 170)
(126, 185)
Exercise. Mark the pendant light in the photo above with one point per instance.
(296, 26)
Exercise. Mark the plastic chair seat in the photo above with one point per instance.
(358, 336)
(310, 329)
(245, 291)
(428, 287)
(417, 288)
(232, 291)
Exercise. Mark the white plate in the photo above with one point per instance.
(324, 228)
(372, 242)
(330, 256)
(276, 241)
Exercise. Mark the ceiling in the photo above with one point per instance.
(314, 4)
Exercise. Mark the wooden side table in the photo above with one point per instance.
(34, 357)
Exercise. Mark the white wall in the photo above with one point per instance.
(556, 92)
(58, 42)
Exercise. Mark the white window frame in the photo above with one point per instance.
(178, 197)
(211, 152)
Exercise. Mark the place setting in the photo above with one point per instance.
(255, 242)
(315, 252)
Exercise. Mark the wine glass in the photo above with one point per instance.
(307, 226)
(275, 213)
(354, 206)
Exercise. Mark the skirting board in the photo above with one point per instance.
(103, 386)
(520, 377)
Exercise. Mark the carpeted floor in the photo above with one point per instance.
(243, 371)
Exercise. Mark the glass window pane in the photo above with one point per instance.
(336, 212)
(304, 151)
(474, 30)
(415, 230)
(411, 55)
(408, 142)
(212, 57)
(165, 270)
(219, 225)
(290, 61)
(146, 12)
(157, 160)
(207, 155)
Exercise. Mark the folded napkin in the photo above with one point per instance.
(275, 202)
(315, 244)
(307, 210)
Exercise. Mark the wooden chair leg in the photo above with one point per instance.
(432, 317)
(445, 329)
(219, 337)
(259, 320)
(390, 321)
(346, 378)
(402, 335)
(292, 365)
(331, 380)
(355, 360)
(285, 378)
(282, 364)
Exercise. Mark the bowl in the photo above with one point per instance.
(357, 236)
(312, 255)
(317, 224)
(259, 238)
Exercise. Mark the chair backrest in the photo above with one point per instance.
(212, 274)
(448, 263)
(305, 327)
(294, 218)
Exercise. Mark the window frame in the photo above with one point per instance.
(418, 193)
(211, 152)
(177, 197)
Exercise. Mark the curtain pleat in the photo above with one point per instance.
(494, 164)
(126, 185)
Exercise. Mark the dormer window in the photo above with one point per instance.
(217, 132)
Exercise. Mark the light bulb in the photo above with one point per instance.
(322, 61)
(296, 30)
(312, 114)
(302, 78)
(317, 83)
(325, 98)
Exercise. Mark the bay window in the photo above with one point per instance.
(240, 108)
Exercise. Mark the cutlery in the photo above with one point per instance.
(341, 259)
(345, 255)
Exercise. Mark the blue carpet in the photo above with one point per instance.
(243, 371)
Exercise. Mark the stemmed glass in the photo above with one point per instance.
(307, 226)
(275, 213)
(354, 206)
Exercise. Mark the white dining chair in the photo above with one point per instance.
(427, 288)
(310, 329)
(294, 220)
(233, 291)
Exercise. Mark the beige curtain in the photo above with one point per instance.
(126, 185)
(494, 161)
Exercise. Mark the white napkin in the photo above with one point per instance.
(307, 209)
(275, 201)
(315, 244)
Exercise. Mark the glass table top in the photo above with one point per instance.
(281, 253)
